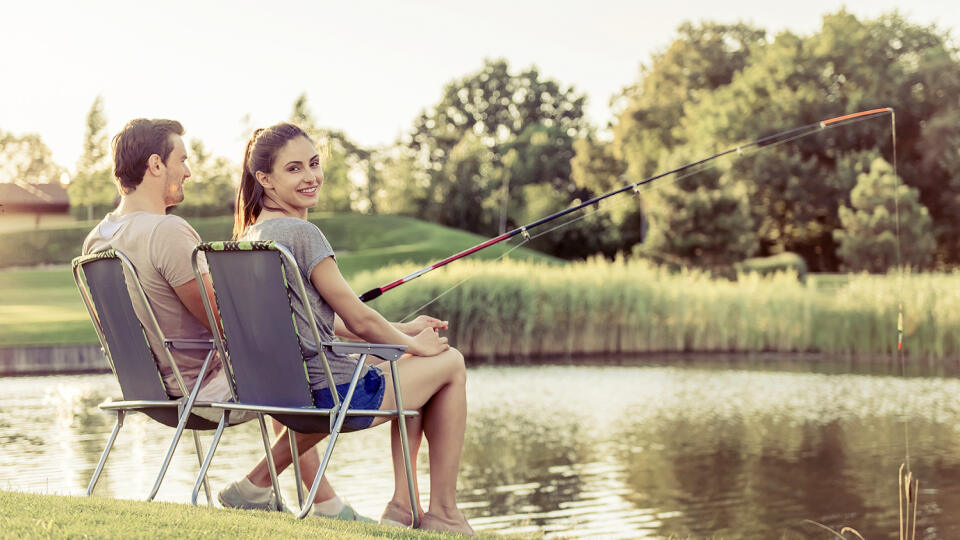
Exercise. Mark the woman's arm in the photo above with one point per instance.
(411, 328)
(364, 322)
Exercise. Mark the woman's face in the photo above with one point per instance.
(296, 177)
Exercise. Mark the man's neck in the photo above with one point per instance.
(140, 201)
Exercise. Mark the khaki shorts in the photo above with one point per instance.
(217, 389)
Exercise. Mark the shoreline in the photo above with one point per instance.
(52, 360)
(40, 360)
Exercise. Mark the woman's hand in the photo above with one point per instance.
(428, 343)
(417, 325)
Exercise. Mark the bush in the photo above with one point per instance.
(783, 262)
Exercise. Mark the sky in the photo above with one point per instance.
(367, 68)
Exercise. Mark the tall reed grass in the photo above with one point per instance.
(523, 309)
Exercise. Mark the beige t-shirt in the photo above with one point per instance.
(160, 246)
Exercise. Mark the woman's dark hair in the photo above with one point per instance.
(136, 142)
(261, 152)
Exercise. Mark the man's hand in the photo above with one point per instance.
(422, 322)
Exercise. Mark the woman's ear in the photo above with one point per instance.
(263, 179)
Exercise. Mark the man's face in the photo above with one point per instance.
(176, 172)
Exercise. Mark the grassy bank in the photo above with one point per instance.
(516, 309)
(373, 241)
(40, 306)
(55, 516)
(519, 309)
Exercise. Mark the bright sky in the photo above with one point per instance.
(368, 68)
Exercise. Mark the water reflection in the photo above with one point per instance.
(696, 450)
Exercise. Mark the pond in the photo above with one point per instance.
(637, 449)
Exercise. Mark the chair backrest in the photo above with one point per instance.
(262, 344)
(121, 334)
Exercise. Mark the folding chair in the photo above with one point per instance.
(102, 280)
(261, 347)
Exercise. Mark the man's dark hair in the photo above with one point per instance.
(136, 142)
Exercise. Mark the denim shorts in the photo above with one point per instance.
(367, 395)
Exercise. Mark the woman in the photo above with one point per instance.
(280, 182)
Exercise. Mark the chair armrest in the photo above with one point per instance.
(386, 352)
(204, 344)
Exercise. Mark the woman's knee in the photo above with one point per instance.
(458, 366)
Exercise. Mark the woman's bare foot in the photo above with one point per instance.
(398, 515)
(434, 522)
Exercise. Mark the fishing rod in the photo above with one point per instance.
(634, 187)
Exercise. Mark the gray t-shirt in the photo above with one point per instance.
(309, 247)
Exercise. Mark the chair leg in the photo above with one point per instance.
(106, 452)
(206, 485)
(339, 417)
(183, 409)
(295, 456)
(202, 479)
(405, 444)
(270, 465)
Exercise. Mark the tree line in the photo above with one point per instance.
(501, 148)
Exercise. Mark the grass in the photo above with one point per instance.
(374, 240)
(526, 308)
(519, 309)
(41, 306)
(28, 515)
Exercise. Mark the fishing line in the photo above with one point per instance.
(408, 316)
(714, 165)
(752, 150)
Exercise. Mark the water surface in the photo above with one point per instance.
(640, 450)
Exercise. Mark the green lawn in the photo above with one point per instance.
(41, 306)
(27, 515)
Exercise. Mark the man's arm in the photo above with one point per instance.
(189, 295)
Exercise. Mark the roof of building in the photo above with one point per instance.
(23, 195)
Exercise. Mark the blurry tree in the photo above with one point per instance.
(847, 66)
(93, 191)
(349, 175)
(868, 240)
(26, 158)
(402, 183)
(211, 189)
(702, 58)
(596, 170)
(701, 218)
(531, 119)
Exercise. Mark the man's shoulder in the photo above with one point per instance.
(138, 227)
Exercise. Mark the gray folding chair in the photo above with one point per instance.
(261, 348)
(101, 279)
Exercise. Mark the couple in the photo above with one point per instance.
(279, 184)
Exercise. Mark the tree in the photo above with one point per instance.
(702, 219)
(847, 66)
(718, 86)
(506, 114)
(26, 158)
(93, 191)
(211, 189)
(701, 59)
(869, 237)
(346, 166)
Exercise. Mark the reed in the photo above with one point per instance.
(518, 309)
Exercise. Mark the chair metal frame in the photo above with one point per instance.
(335, 415)
(154, 408)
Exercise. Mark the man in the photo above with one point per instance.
(150, 167)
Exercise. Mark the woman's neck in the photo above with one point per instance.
(273, 209)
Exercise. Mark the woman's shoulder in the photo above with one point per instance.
(289, 225)
(287, 230)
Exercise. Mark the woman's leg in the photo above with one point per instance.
(437, 386)
(398, 509)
